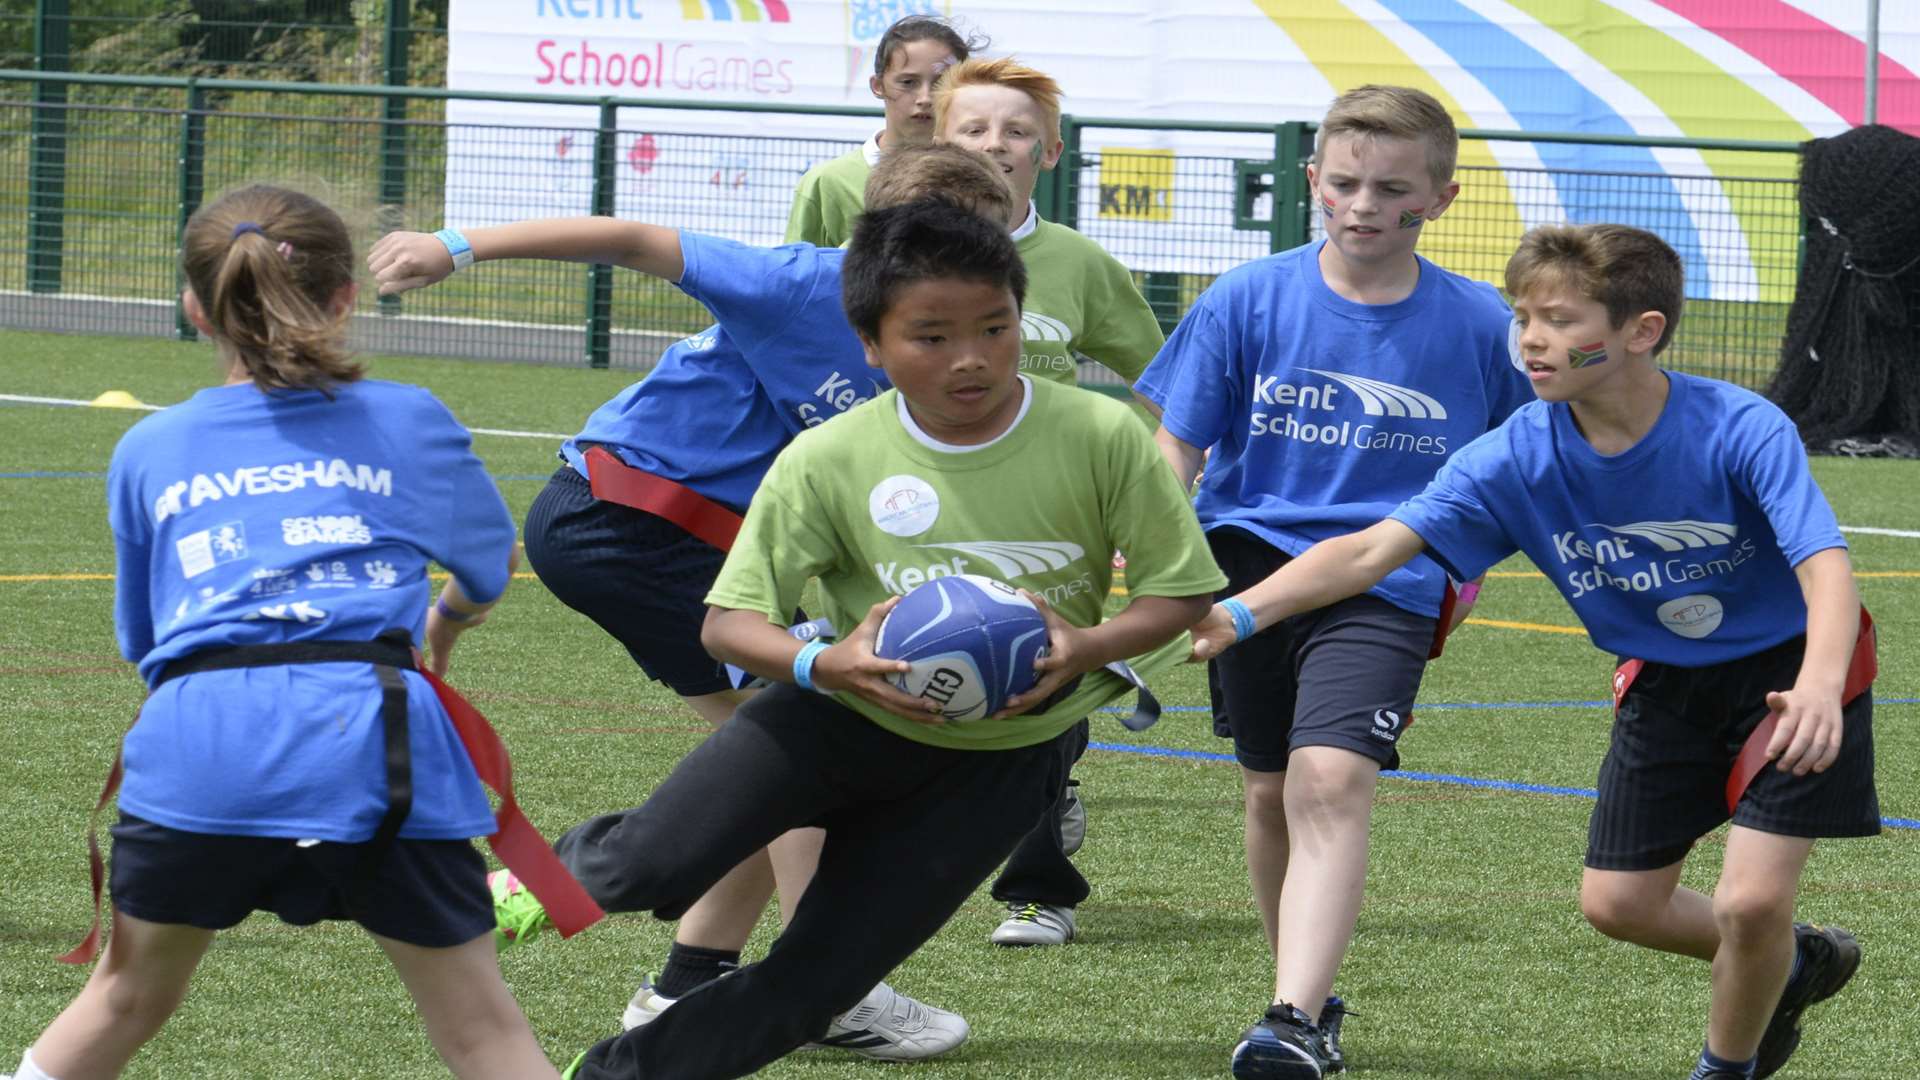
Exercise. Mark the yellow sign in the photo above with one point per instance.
(1136, 184)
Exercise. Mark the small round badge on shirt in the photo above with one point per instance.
(1693, 616)
(903, 505)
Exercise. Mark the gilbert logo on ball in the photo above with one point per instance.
(971, 640)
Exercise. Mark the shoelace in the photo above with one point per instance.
(1028, 913)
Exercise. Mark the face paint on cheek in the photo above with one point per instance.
(1413, 219)
(1587, 355)
(1036, 153)
(1331, 207)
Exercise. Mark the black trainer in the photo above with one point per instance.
(1332, 1015)
(1284, 1045)
(1828, 958)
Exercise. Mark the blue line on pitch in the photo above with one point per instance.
(1422, 777)
(1432, 705)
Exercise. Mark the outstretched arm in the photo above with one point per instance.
(1327, 572)
(402, 261)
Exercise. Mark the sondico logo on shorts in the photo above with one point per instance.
(1303, 400)
(1046, 330)
(1650, 556)
(1386, 725)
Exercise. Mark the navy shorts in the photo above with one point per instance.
(430, 893)
(1675, 737)
(1344, 675)
(642, 578)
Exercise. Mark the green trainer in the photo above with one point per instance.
(517, 914)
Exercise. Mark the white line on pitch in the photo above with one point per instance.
(27, 399)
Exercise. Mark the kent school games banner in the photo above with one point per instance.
(1746, 69)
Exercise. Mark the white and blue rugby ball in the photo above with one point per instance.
(971, 640)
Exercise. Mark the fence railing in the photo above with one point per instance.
(101, 171)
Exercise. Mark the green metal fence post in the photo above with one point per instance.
(393, 131)
(193, 176)
(599, 277)
(1291, 214)
(47, 153)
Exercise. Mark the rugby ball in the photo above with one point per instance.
(971, 640)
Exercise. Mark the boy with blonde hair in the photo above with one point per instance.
(1081, 302)
(1678, 517)
(1330, 382)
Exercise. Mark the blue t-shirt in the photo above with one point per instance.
(244, 518)
(1681, 549)
(722, 403)
(1323, 414)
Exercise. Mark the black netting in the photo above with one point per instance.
(1849, 371)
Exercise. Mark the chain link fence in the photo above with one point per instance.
(96, 182)
(334, 41)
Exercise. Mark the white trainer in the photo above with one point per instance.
(1035, 924)
(890, 1026)
(647, 1004)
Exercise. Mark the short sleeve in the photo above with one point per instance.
(1189, 379)
(1153, 524)
(133, 560)
(806, 221)
(1455, 519)
(1775, 475)
(785, 540)
(477, 542)
(1123, 333)
(754, 292)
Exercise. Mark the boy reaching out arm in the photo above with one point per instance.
(1678, 517)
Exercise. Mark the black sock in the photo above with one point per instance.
(689, 967)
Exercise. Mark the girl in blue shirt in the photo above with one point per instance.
(272, 537)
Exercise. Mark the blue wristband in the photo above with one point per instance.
(1242, 618)
(457, 247)
(803, 663)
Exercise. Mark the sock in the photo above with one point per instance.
(1799, 960)
(29, 1070)
(689, 967)
(1710, 1063)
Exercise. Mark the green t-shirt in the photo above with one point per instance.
(830, 196)
(1080, 300)
(869, 509)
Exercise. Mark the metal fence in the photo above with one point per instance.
(98, 173)
(339, 41)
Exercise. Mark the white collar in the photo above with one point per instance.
(871, 151)
(920, 436)
(1026, 227)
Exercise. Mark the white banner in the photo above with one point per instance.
(1783, 70)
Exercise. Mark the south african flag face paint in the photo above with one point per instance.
(1584, 355)
(1413, 219)
(1331, 207)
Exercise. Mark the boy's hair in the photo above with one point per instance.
(1001, 71)
(963, 176)
(1628, 270)
(931, 239)
(914, 28)
(265, 263)
(1399, 112)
